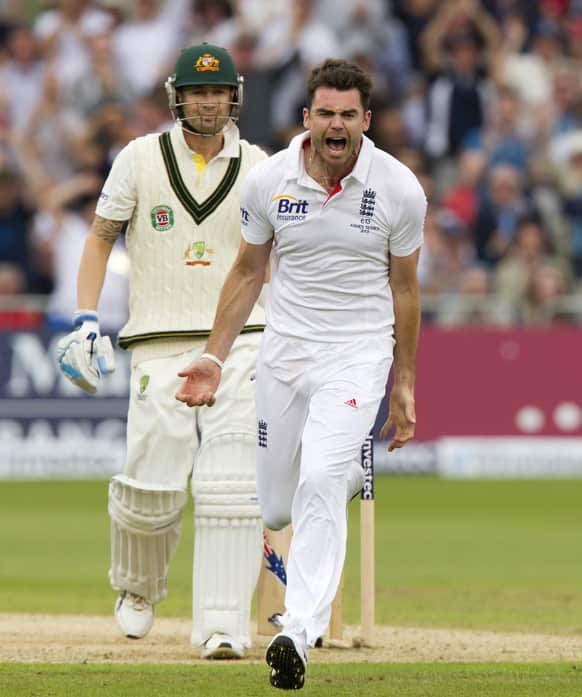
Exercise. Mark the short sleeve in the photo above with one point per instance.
(119, 195)
(256, 227)
(407, 233)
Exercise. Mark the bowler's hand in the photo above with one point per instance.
(401, 417)
(199, 388)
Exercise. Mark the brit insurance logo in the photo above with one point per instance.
(290, 208)
(367, 205)
(244, 216)
(162, 218)
(198, 254)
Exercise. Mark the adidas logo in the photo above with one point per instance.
(352, 403)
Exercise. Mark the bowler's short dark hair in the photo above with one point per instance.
(341, 75)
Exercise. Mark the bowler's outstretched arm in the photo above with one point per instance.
(237, 298)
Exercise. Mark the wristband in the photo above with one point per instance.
(81, 316)
(214, 359)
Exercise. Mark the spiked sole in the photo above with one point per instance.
(287, 668)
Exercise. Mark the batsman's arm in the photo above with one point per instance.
(93, 266)
(406, 298)
(238, 296)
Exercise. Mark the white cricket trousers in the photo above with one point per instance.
(316, 403)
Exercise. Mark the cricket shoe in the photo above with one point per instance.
(134, 615)
(356, 479)
(222, 646)
(288, 661)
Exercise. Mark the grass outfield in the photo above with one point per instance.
(501, 555)
(347, 680)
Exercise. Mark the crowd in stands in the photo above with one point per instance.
(481, 99)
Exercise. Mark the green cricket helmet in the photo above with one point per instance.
(204, 64)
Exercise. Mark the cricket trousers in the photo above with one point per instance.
(316, 403)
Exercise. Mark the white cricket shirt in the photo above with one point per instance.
(331, 252)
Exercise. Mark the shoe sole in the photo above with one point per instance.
(287, 668)
(225, 652)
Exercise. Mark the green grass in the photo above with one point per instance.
(339, 680)
(502, 555)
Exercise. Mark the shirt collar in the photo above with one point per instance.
(230, 147)
(295, 163)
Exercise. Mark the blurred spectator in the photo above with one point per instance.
(21, 77)
(446, 253)
(563, 113)
(111, 127)
(53, 140)
(366, 29)
(463, 197)
(214, 22)
(529, 251)
(297, 37)
(293, 45)
(415, 16)
(546, 288)
(475, 303)
(498, 214)
(388, 128)
(146, 45)
(16, 255)
(530, 72)
(106, 84)
(64, 31)
(457, 43)
(255, 119)
(450, 29)
(60, 230)
(567, 154)
(503, 139)
(150, 113)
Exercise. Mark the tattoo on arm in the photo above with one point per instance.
(107, 229)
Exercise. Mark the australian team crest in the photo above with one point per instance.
(162, 218)
(196, 254)
(144, 381)
(207, 62)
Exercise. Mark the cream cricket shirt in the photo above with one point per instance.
(330, 253)
(183, 232)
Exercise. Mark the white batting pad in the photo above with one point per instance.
(145, 527)
(227, 540)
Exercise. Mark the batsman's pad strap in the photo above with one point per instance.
(144, 509)
(223, 481)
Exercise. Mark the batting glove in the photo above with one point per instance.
(84, 355)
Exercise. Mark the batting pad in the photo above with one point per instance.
(145, 527)
(227, 538)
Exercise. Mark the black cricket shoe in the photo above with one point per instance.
(287, 661)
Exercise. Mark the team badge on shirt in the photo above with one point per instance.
(162, 218)
(367, 205)
(207, 62)
(197, 253)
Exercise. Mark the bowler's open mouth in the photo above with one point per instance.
(336, 144)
